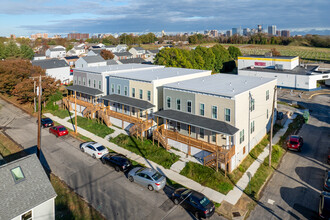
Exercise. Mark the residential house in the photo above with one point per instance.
(223, 112)
(58, 69)
(150, 55)
(56, 52)
(122, 55)
(138, 52)
(95, 52)
(112, 62)
(132, 60)
(71, 60)
(39, 56)
(90, 61)
(112, 48)
(26, 192)
(77, 51)
(122, 48)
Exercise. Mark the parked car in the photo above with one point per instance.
(329, 159)
(46, 122)
(295, 142)
(324, 205)
(196, 203)
(94, 149)
(59, 130)
(118, 161)
(326, 186)
(147, 177)
(280, 115)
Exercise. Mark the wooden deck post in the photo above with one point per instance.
(75, 111)
(166, 134)
(122, 120)
(217, 159)
(157, 129)
(189, 147)
(225, 165)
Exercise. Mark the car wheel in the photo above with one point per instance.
(94, 156)
(103, 161)
(82, 149)
(130, 178)
(150, 187)
(117, 168)
(176, 201)
(57, 135)
(197, 215)
(299, 149)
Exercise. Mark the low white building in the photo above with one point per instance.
(56, 52)
(90, 61)
(286, 70)
(39, 57)
(95, 52)
(76, 51)
(122, 56)
(58, 69)
(138, 52)
(26, 192)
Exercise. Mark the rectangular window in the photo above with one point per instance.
(27, 215)
(17, 174)
(241, 136)
(267, 95)
(94, 83)
(84, 81)
(149, 95)
(168, 100)
(75, 80)
(133, 92)
(252, 127)
(178, 126)
(252, 104)
(201, 133)
(118, 89)
(125, 90)
(267, 114)
(201, 109)
(133, 110)
(214, 139)
(99, 84)
(112, 88)
(214, 112)
(141, 94)
(227, 114)
(189, 106)
(178, 104)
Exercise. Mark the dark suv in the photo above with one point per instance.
(46, 122)
(118, 161)
(324, 205)
(196, 203)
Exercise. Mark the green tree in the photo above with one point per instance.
(234, 52)
(26, 52)
(68, 47)
(12, 50)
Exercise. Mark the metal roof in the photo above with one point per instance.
(85, 90)
(111, 62)
(120, 54)
(17, 198)
(132, 60)
(198, 121)
(111, 69)
(50, 63)
(141, 104)
(226, 85)
(57, 49)
(270, 57)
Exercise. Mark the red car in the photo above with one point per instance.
(59, 130)
(294, 142)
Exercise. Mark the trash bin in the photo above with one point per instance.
(306, 115)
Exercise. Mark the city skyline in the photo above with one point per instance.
(119, 16)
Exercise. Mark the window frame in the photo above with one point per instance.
(149, 95)
(168, 102)
(226, 115)
(133, 92)
(200, 109)
(112, 88)
(140, 93)
(189, 101)
(94, 83)
(201, 134)
(178, 104)
(267, 95)
(118, 89)
(214, 113)
(13, 175)
(125, 90)
(241, 136)
(100, 84)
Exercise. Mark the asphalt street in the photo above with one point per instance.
(294, 189)
(108, 191)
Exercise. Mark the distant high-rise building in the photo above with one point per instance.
(163, 33)
(214, 33)
(285, 33)
(278, 33)
(246, 31)
(57, 36)
(229, 33)
(259, 28)
(78, 36)
(39, 35)
(272, 30)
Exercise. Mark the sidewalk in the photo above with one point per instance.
(173, 173)
(210, 193)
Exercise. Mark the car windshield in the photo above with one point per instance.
(48, 120)
(140, 170)
(186, 192)
(156, 176)
(100, 148)
(62, 129)
(204, 202)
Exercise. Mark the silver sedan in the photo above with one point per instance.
(147, 177)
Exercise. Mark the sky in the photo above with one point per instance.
(26, 17)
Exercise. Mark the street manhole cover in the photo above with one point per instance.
(236, 214)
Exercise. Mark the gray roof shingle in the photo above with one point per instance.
(141, 104)
(93, 59)
(35, 189)
(50, 63)
(120, 54)
(85, 90)
(198, 121)
(56, 49)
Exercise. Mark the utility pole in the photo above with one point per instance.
(34, 99)
(271, 130)
(39, 119)
(75, 111)
(249, 125)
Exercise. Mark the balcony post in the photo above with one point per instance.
(157, 128)
(217, 149)
(166, 133)
(189, 147)
(122, 120)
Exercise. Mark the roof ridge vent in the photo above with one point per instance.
(245, 81)
(229, 83)
(233, 90)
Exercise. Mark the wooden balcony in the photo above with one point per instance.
(123, 117)
(79, 102)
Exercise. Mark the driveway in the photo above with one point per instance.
(294, 189)
(108, 191)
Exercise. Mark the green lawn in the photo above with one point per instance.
(61, 113)
(236, 175)
(145, 149)
(93, 126)
(207, 177)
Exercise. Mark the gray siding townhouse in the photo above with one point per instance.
(222, 112)
(138, 52)
(26, 192)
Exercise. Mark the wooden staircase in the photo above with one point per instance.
(67, 104)
(161, 139)
(102, 115)
(140, 127)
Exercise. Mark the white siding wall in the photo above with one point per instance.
(62, 74)
(287, 64)
(44, 211)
